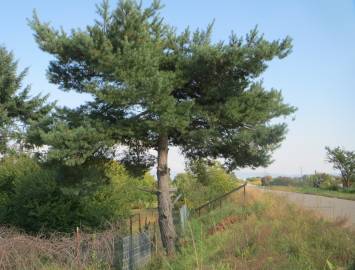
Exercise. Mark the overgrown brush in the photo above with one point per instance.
(264, 233)
(83, 251)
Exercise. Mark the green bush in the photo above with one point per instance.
(323, 181)
(317, 180)
(205, 183)
(266, 180)
(51, 197)
(254, 181)
(11, 169)
(286, 181)
(38, 204)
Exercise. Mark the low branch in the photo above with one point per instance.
(152, 191)
(155, 191)
(177, 198)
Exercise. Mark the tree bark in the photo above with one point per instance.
(166, 225)
(346, 183)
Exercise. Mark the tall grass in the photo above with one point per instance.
(265, 233)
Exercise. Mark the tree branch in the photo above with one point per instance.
(153, 191)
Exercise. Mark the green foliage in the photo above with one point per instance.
(316, 180)
(254, 180)
(204, 182)
(148, 81)
(322, 180)
(287, 181)
(266, 180)
(11, 169)
(17, 108)
(145, 199)
(52, 197)
(344, 161)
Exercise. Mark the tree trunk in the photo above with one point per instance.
(346, 183)
(166, 225)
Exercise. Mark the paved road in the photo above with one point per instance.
(331, 208)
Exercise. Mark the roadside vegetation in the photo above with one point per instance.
(41, 208)
(323, 184)
(318, 184)
(202, 182)
(265, 233)
(261, 232)
(341, 194)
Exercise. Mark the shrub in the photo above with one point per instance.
(38, 203)
(254, 180)
(51, 197)
(197, 187)
(323, 180)
(266, 180)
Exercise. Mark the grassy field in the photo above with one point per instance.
(267, 233)
(347, 195)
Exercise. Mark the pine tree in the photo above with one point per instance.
(17, 109)
(154, 88)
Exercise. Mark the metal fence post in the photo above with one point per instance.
(130, 225)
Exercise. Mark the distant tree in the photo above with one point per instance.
(344, 161)
(322, 180)
(316, 180)
(159, 88)
(17, 108)
(266, 180)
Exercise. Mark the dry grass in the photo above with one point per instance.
(20, 251)
(263, 232)
(24, 252)
(147, 216)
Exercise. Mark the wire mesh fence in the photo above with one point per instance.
(218, 202)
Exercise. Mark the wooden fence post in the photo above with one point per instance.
(146, 223)
(155, 241)
(78, 261)
(244, 194)
(139, 222)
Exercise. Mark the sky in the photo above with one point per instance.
(318, 77)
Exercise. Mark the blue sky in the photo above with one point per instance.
(318, 77)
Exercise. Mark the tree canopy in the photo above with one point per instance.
(17, 108)
(344, 161)
(147, 79)
(153, 87)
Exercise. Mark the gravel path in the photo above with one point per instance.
(331, 208)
